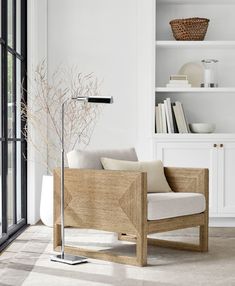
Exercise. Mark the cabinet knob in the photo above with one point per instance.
(221, 145)
(215, 145)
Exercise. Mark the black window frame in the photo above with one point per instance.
(9, 232)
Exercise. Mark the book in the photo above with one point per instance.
(160, 117)
(164, 124)
(169, 118)
(178, 77)
(187, 130)
(178, 118)
(178, 85)
(184, 124)
(179, 81)
(168, 100)
(176, 130)
(157, 119)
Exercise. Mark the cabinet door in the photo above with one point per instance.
(194, 155)
(226, 185)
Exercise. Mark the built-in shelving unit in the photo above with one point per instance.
(211, 105)
(161, 56)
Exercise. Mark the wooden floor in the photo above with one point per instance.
(27, 261)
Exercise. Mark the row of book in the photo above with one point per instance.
(170, 117)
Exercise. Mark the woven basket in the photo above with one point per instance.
(191, 29)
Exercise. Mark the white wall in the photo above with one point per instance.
(100, 37)
(37, 50)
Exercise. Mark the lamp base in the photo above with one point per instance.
(68, 259)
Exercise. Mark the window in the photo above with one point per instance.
(12, 144)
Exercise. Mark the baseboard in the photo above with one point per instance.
(222, 222)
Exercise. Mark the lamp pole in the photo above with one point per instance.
(62, 257)
(62, 181)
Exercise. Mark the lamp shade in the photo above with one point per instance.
(95, 99)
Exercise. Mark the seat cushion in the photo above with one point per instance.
(90, 159)
(156, 180)
(168, 205)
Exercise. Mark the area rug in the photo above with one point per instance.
(27, 262)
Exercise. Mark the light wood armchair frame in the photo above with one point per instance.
(116, 201)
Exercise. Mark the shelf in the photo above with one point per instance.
(197, 89)
(201, 2)
(194, 136)
(196, 44)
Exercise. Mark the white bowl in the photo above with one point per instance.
(202, 127)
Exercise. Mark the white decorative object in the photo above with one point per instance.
(194, 72)
(46, 205)
(210, 73)
(202, 127)
(178, 81)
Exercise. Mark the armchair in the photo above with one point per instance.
(117, 201)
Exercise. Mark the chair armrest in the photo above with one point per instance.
(193, 180)
(106, 200)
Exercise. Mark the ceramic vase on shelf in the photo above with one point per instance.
(46, 204)
(210, 73)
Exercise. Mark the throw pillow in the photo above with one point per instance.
(156, 180)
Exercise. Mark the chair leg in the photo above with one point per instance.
(57, 235)
(204, 238)
(141, 249)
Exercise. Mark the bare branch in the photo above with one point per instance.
(44, 116)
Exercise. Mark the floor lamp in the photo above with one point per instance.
(62, 257)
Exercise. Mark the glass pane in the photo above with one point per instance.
(9, 22)
(0, 18)
(0, 137)
(18, 180)
(0, 189)
(10, 102)
(10, 184)
(18, 99)
(0, 92)
(18, 26)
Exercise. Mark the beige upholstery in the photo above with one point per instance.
(169, 205)
(156, 179)
(90, 159)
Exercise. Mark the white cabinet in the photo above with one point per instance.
(226, 180)
(218, 157)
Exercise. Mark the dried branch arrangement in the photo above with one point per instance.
(44, 115)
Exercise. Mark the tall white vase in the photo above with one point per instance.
(46, 205)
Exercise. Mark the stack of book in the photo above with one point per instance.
(178, 81)
(170, 118)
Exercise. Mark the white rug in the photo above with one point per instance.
(27, 262)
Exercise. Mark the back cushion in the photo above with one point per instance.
(91, 159)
